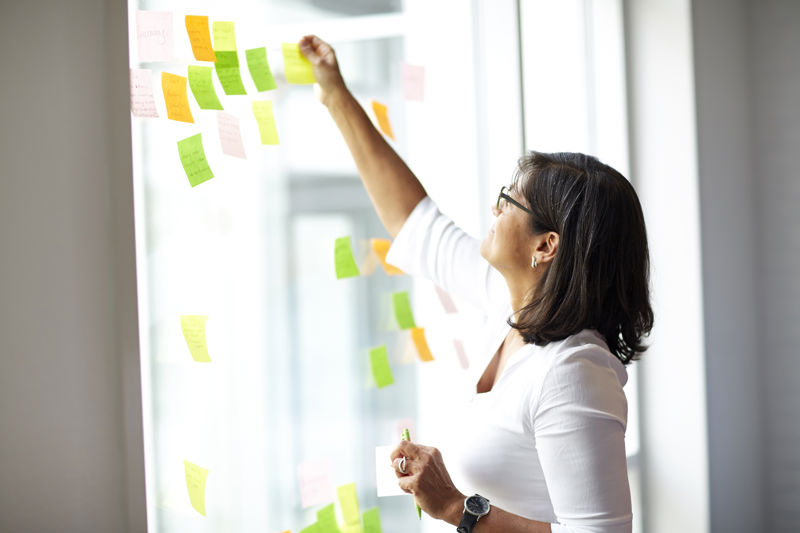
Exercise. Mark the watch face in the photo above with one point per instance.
(477, 505)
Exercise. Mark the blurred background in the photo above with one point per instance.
(104, 246)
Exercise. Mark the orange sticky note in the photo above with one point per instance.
(175, 97)
(381, 248)
(200, 37)
(383, 118)
(418, 334)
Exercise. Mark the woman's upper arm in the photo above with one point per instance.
(579, 425)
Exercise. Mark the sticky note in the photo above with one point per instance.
(402, 310)
(343, 259)
(413, 82)
(265, 118)
(424, 352)
(175, 98)
(143, 103)
(154, 35)
(224, 36)
(193, 159)
(230, 78)
(382, 115)
(462, 355)
(379, 364)
(313, 528)
(194, 331)
(348, 502)
(196, 484)
(353, 528)
(326, 519)
(259, 69)
(446, 300)
(230, 135)
(371, 520)
(385, 478)
(381, 248)
(296, 67)
(203, 87)
(314, 479)
(197, 29)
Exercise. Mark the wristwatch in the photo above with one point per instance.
(475, 507)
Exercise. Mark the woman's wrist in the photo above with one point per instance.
(455, 510)
(335, 97)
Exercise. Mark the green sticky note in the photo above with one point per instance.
(313, 528)
(355, 528)
(402, 310)
(346, 266)
(379, 364)
(227, 67)
(296, 67)
(259, 69)
(193, 159)
(203, 87)
(196, 485)
(194, 331)
(265, 118)
(371, 520)
(348, 502)
(326, 519)
(224, 36)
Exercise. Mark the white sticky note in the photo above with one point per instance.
(230, 135)
(385, 478)
(154, 34)
(413, 82)
(143, 103)
(315, 482)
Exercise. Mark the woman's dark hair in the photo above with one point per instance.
(600, 276)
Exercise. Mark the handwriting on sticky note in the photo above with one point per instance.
(175, 98)
(259, 69)
(402, 310)
(265, 118)
(227, 67)
(385, 478)
(193, 159)
(447, 301)
(224, 36)
(423, 351)
(382, 116)
(296, 67)
(381, 248)
(196, 484)
(194, 331)
(315, 483)
(414, 82)
(326, 519)
(344, 261)
(379, 365)
(154, 36)
(461, 353)
(371, 519)
(143, 103)
(200, 38)
(348, 503)
(203, 87)
(230, 135)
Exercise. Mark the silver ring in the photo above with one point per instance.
(402, 466)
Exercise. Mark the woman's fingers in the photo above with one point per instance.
(323, 62)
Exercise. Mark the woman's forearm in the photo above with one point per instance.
(499, 521)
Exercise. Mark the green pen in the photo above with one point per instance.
(407, 436)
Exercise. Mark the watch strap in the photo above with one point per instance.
(468, 521)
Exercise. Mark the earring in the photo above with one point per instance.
(533, 263)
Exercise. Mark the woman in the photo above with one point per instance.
(563, 275)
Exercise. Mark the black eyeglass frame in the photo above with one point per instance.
(510, 200)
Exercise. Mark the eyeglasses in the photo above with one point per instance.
(502, 198)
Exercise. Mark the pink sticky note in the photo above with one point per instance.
(154, 33)
(143, 103)
(230, 135)
(414, 82)
(447, 301)
(462, 355)
(315, 482)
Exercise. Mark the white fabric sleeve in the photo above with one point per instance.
(430, 245)
(579, 425)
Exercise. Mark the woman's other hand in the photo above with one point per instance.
(428, 480)
(326, 69)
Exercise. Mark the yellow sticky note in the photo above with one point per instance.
(381, 248)
(175, 97)
(194, 331)
(348, 502)
(418, 335)
(381, 113)
(200, 38)
(196, 484)
(266, 121)
(224, 36)
(296, 67)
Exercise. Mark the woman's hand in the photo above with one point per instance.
(326, 69)
(427, 479)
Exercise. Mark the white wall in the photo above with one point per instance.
(70, 428)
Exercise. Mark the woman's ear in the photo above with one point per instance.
(547, 246)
